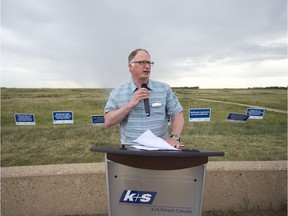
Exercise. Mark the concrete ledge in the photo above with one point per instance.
(245, 185)
(72, 189)
(54, 190)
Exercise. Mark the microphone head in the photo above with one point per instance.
(144, 85)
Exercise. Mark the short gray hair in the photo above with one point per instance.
(134, 53)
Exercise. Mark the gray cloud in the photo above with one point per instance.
(85, 43)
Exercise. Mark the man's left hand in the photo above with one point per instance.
(173, 142)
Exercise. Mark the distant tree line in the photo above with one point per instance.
(269, 87)
(186, 87)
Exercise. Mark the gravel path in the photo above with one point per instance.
(245, 105)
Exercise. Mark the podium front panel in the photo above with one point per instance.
(142, 192)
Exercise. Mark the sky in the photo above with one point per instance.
(86, 43)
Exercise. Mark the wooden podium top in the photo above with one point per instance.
(156, 160)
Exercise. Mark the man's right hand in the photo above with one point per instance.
(139, 95)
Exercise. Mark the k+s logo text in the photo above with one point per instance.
(137, 197)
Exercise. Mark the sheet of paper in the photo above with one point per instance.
(152, 142)
(141, 147)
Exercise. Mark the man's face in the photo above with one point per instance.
(139, 69)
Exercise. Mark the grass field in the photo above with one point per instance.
(46, 143)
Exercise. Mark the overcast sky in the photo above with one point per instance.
(86, 43)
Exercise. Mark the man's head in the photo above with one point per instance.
(140, 65)
(134, 53)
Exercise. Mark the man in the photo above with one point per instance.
(126, 104)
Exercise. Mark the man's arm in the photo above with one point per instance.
(177, 128)
(177, 124)
(114, 117)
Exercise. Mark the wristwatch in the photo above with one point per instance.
(176, 137)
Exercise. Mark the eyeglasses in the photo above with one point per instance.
(143, 63)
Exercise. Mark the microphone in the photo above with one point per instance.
(146, 101)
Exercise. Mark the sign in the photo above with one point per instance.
(98, 120)
(62, 117)
(137, 197)
(199, 114)
(235, 117)
(24, 119)
(255, 113)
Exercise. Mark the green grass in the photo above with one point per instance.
(46, 143)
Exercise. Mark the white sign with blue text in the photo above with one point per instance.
(98, 120)
(199, 114)
(62, 117)
(255, 113)
(24, 119)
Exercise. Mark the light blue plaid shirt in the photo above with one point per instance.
(163, 105)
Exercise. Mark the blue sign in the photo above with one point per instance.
(199, 114)
(62, 117)
(137, 197)
(24, 119)
(98, 120)
(235, 117)
(255, 113)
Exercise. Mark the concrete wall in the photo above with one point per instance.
(245, 185)
(81, 188)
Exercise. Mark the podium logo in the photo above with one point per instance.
(137, 197)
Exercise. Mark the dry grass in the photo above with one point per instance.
(46, 143)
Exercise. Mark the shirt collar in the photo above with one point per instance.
(135, 88)
(150, 85)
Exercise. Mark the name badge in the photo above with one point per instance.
(156, 104)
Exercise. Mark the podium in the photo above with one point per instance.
(161, 182)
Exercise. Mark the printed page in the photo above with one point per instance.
(148, 141)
